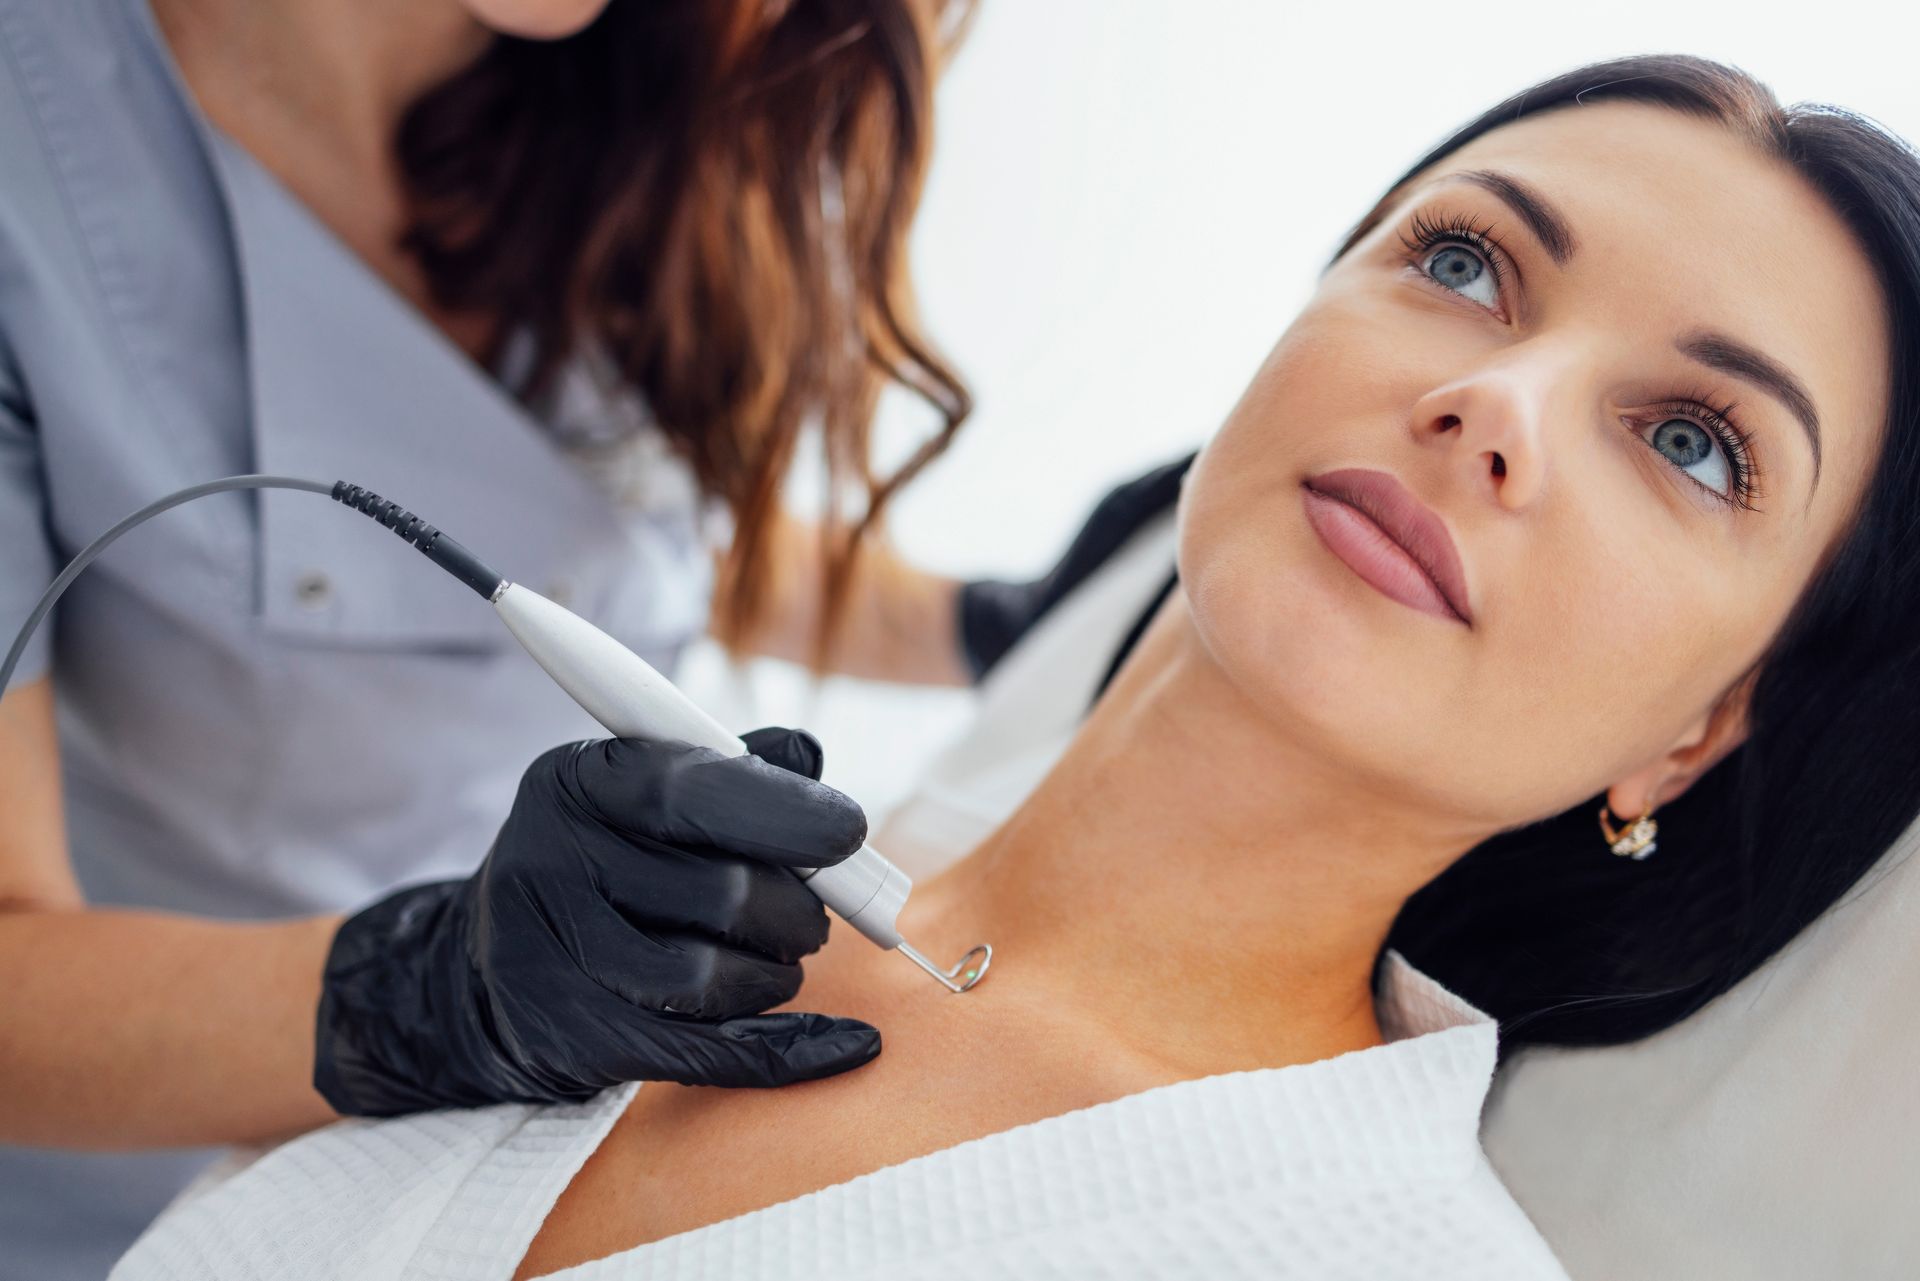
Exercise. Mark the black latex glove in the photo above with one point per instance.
(632, 919)
(992, 614)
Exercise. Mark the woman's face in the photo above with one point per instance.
(536, 19)
(1550, 422)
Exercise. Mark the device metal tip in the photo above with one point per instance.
(969, 969)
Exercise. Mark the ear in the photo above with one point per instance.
(1702, 746)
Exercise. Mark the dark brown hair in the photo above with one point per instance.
(717, 193)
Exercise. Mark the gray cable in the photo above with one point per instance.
(100, 544)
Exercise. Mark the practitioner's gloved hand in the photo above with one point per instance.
(632, 919)
(991, 614)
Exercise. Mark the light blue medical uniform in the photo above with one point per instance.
(268, 705)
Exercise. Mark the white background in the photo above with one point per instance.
(1130, 200)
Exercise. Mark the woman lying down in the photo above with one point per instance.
(1199, 1052)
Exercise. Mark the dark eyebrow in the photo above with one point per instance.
(1714, 350)
(1549, 227)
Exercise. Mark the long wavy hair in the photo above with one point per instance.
(717, 194)
(1541, 926)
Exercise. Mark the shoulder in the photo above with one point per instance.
(74, 76)
(119, 283)
(106, 170)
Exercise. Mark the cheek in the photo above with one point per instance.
(1648, 632)
(1608, 646)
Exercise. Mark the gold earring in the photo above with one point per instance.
(1635, 839)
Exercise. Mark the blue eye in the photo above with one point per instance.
(1457, 255)
(1692, 431)
(1690, 444)
(1460, 269)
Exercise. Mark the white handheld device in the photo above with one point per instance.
(626, 694)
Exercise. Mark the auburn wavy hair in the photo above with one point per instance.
(718, 194)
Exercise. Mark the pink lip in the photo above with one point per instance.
(1390, 538)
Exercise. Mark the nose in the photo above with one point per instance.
(1493, 422)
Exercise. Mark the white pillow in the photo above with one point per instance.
(1773, 1136)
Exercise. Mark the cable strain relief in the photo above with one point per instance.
(434, 545)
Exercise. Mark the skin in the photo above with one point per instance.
(127, 1029)
(1202, 882)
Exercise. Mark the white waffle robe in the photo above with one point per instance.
(1365, 1165)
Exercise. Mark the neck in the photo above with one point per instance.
(340, 69)
(1191, 875)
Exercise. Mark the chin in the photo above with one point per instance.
(537, 19)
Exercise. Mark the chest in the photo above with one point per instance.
(681, 1158)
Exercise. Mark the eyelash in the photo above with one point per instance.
(1695, 405)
